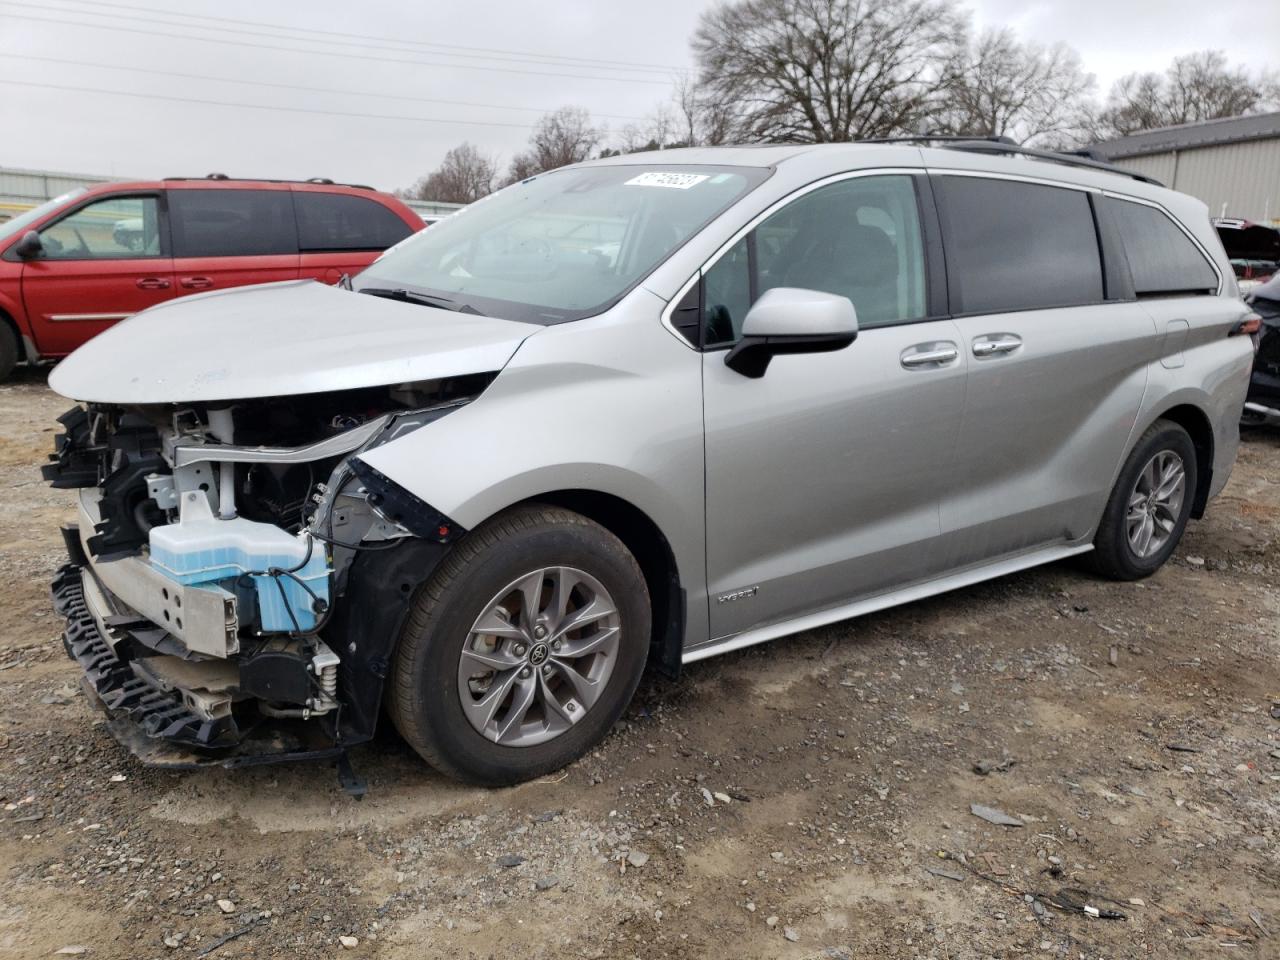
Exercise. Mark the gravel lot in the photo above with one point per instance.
(807, 799)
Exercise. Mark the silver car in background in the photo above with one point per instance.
(641, 410)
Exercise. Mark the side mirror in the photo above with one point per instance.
(791, 320)
(30, 246)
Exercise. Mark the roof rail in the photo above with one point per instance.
(1074, 158)
(943, 138)
(323, 181)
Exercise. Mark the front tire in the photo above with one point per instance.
(1149, 506)
(9, 351)
(523, 649)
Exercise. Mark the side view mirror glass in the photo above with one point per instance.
(29, 246)
(792, 320)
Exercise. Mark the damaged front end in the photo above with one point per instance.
(233, 600)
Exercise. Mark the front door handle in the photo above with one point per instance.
(995, 344)
(152, 283)
(196, 283)
(931, 355)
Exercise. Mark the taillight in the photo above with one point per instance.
(1250, 325)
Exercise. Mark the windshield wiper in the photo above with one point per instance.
(426, 299)
(404, 296)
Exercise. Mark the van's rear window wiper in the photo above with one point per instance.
(426, 299)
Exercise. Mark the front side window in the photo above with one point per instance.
(115, 228)
(19, 224)
(561, 245)
(339, 221)
(1162, 259)
(858, 238)
(232, 223)
(1017, 246)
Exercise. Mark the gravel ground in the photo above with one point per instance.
(811, 798)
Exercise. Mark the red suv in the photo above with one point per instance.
(77, 264)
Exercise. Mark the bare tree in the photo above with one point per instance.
(704, 120)
(998, 86)
(825, 70)
(563, 137)
(464, 176)
(660, 130)
(1196, 87)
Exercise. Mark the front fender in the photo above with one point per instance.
(610, 405)
(11, 306)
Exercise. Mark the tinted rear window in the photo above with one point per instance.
(1162, 259)
(1017, 246)
(231, 223)
(337, 221)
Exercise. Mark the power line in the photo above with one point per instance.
(154, 19)
(290, 86)
(586, 62)
(326, 53)
(259, 106)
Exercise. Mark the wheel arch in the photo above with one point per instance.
(1195, 421)
(23, 341)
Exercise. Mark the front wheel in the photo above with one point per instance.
(1149, 506)
(9, 352)
(523, 649)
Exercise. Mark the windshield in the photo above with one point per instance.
(561, 245)
(20, 223)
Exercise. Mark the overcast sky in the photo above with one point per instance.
(58, 57)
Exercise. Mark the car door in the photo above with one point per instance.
(231, 236)
(1058, 363)
(823, 477)
(342, 233)
(100, 263)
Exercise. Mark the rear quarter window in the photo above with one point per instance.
(1163, 260)
(338, 221)
(1017, 246)
(231, 223)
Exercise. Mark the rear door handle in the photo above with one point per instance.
(925, 355)
(196, 283)
(995, 344)
(152, 283)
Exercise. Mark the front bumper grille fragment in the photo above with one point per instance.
(160, 715)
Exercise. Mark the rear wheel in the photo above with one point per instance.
(523, 649)
(9, 352)
(1149, 506)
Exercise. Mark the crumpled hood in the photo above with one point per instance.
(280, 339)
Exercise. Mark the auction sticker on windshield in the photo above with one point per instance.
(676, 181)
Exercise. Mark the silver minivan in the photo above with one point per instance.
(638, 411)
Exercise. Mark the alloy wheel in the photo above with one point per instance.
(1155, 503)
(538, 656)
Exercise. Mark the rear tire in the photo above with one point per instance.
(1149, 506)
(10, 353)
(470, 634)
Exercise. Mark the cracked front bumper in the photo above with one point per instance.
(161, 724)
(159, 714)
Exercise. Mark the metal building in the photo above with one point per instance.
(23, 189)
(1233, 165)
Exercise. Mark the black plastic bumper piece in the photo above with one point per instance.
(158, 714)
(154, 725)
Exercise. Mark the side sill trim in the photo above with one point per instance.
(858, 608)
(74, 317)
